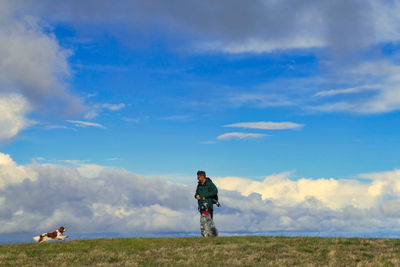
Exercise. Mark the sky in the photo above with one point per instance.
(109, 109)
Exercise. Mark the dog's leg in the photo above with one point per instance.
(213, 229)
(210, 228)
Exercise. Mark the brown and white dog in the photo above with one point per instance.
(56, 235)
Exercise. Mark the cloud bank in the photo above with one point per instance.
(234, 26)
(87, 199)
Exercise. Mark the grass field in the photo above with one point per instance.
(221, 251)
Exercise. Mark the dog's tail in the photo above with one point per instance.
(36, 238)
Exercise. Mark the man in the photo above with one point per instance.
(206, 191)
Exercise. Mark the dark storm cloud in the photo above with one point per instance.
(341, 24)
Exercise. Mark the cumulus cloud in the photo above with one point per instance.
(238, 135)
(34, 72)
(33, 63)
(266, 125)
(90, 170)
(104, 199)
(14, 109)
(326, 205)
(11, 173)
(332, 193)
(111, 200)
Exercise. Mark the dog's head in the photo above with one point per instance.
(205, 207)
(62, 229)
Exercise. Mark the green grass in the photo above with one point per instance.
(220, 251)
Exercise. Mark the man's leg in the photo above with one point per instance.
(211, 213)
(201, 225)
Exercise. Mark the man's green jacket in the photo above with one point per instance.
(208, 190)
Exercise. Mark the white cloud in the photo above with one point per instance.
(11, 173)
(55, 127)
(259, 46)
(237, 135)
(33, 63)
(34, 72)
(177, 118)
(266, 125)
(112, 159)
(119, 201)
(386, 18)
(96, 109)
(110, 200)
(385, 96)
(363, 87)
(306, 25)
(352, 90)
(72, 162)
(86, 124)
(258, 99)
(332, 193)
(130, 119)
(113, 107)
(91, 114)
(13, 111)
(90, 170)
(208, 142)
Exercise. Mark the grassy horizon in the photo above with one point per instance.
(194, 251)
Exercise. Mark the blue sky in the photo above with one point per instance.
(171, 104)
(262, 91)
(174, 104)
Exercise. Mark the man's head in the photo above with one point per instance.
(201, 176)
